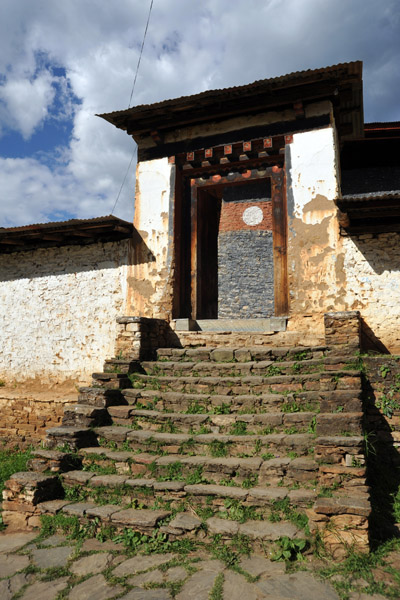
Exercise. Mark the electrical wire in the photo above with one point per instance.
(123, 183)
(141, 52)
(130, 99)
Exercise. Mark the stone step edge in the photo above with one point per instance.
(264, 496)
(251, 378)
(228, 351)
(145, 521)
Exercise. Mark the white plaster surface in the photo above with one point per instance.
(372, 269)
(253, 215)
(313, 170)
(152, 218)
(58, 310)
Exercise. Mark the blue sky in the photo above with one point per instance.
(63, 62)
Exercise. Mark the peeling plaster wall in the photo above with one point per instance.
(315, 258)
(150, 279)
(372, 267)
(58, 310)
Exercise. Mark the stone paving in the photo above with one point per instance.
(57, 568)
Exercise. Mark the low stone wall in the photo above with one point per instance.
(25, 414)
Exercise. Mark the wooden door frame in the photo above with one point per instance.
(279, 231)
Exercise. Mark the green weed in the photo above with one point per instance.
(219, 449)
(289, 549)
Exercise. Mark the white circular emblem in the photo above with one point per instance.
(252, 215)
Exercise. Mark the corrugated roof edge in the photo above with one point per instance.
(372, 196)
(354, 67)
(62, 224)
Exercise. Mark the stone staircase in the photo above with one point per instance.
(260, 441)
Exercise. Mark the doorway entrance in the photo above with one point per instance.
(233, 246)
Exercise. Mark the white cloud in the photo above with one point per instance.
(27, 101)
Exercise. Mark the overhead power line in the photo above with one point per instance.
(129, 104)
(141, 52)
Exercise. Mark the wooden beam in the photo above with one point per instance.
(12, 241)
(279, 231)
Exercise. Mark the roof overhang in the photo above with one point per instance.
(342, 84)
(376, 212)
(63, 233)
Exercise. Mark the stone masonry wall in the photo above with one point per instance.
(245, 252)
(58, 309)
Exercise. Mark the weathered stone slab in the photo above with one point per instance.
(11, 563)
(54, 540)
(263, 530)
(198, 587)
(78, 509)
(52, 506)
(10, 587)
(267, 494)
(140, 594)
(46, 558)
(77, 477)
(171, 486)
(176, 574)
(93, 545)
(103, 512)
(237, 588)
(93, 564)
(46, 590)
(115, 434)
(216, 490)
(141, 563)
(95, 588)
(146, 578)
(355, 505)
(259, 566)
(301, 496)
(217, 526)
(108, 480)
(297, 586)
(11, 542)
(139, 518)
(147, 483)
(185, 521)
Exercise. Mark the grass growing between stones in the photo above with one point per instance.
(11, 461)
(372, 573)
(218, 588)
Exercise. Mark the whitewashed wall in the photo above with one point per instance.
(58, 308)
(151, 279)
(314, 263)
(372, 268)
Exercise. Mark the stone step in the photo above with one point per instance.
(118, 365)
(210, 444)
(69, 437)
(85, 415)
(148, 492)
(265, 368)
(305, 401)
(268, 469)
(153, 420)
(261, 423)
(184, 524)
(101, 397)
(273, 469)
(253, 384)
(226, 354)
(111, 381)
